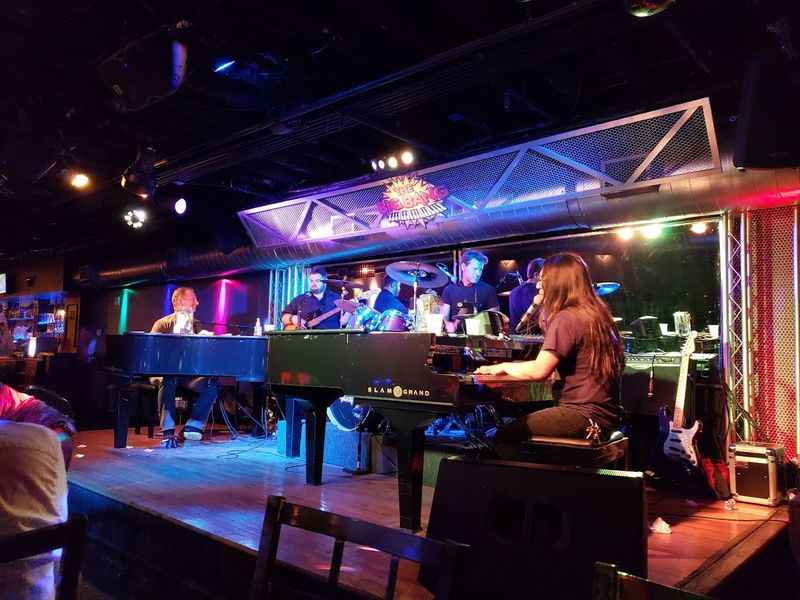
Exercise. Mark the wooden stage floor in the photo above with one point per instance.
(220, 488)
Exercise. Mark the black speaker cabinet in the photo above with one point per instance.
(768, 130)
(535, 531)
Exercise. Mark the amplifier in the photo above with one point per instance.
(347, 449)
(757, 473)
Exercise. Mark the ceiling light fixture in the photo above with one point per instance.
(135, 218)
(80, 181)
(180, 206)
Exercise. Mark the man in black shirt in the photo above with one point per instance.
(317, 301)
(521, 297)
(389, 299)
(470, 292)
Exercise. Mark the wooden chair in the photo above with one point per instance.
(446, 557)
(611, 584)
(71, 536)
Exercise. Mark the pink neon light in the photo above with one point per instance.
(221, 314)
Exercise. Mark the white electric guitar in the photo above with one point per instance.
(680, 443)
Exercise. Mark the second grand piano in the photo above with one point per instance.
(407, 377)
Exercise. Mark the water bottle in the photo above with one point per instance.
(257, 330)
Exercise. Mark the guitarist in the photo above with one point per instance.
(316, 301)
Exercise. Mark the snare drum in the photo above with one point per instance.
(394, 320)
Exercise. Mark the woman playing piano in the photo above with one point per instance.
(582, 344)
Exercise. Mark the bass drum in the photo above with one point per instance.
(348, 416)
(394, 320)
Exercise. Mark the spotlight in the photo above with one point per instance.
(374, 165)
(625, 233)
(80, 181)
(180, 206)
(392, 162)
(651, 232)
(135, 218)
(647, 8)
(381, 164)
(407, 157)
(699, 228)
(139, 178)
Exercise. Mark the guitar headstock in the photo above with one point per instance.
(689, 345)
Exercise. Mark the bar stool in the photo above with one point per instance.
(596, 453)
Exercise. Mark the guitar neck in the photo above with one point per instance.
(680, 394)
(317, 320)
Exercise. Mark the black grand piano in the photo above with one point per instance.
(407, 377)
(158, 354)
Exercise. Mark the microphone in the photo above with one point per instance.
(526, 316)
(443, 268)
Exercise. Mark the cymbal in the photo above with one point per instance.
(604, 288)
(427, 276)
(343, 283)
(346, 305)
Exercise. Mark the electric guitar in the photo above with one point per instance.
(341, 306)
(680, 443)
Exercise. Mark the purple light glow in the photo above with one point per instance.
(221, 314)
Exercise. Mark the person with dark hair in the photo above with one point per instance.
(389, 299)
(317, 301)
(582, 344)
(182, 321)
(470, 294)
(521, 298)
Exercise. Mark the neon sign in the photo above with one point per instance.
(411, 201)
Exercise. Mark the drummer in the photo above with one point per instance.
(469, 290)
(389, 299)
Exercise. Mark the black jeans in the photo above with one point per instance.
(558, 421)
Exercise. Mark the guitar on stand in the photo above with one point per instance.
(680, 443)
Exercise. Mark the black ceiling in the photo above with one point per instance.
(318, 89)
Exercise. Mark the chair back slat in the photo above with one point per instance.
(612, 584)
(391, 581)
(447, 557)
(71, 536)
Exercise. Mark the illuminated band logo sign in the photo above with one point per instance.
(411, 201)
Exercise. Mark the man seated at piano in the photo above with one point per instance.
(318, 301)
(469, 293)
(389, 299)
(182, 321)
(582, 344)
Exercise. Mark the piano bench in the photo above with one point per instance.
(145, 395)
(577, 451)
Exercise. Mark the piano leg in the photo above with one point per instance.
(410, 462)
(316, 418)
(294, 416)
(121, 418)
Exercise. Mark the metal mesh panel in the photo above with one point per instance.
(773, 327)
(283, 219)
(260, 235)
(619, 150)
(688, 151)
(356, 202)
(326, 223)
(471, 182)
(537, 176)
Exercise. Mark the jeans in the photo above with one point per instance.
(558, 421)
(206, 387)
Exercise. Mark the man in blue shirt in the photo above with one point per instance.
(521, 297)
(389, 299)
(470, 294)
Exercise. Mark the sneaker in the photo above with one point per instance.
(192, 433)
(165, 433)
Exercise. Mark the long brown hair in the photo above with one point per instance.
(567, 284)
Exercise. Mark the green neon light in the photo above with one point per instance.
(123, 311)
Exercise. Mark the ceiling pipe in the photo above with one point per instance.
(684, 197)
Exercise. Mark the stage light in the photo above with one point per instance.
(647, 8)
(392, 162)
(374, 165)
(135, 218)
(180, 206)
(139, 178)
(381, 164)
(651, 232)
(626, 233)
(80, 181)
(407, 157)
(223, 66)
(699, 228)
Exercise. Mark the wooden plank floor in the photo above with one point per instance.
(221, 487)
